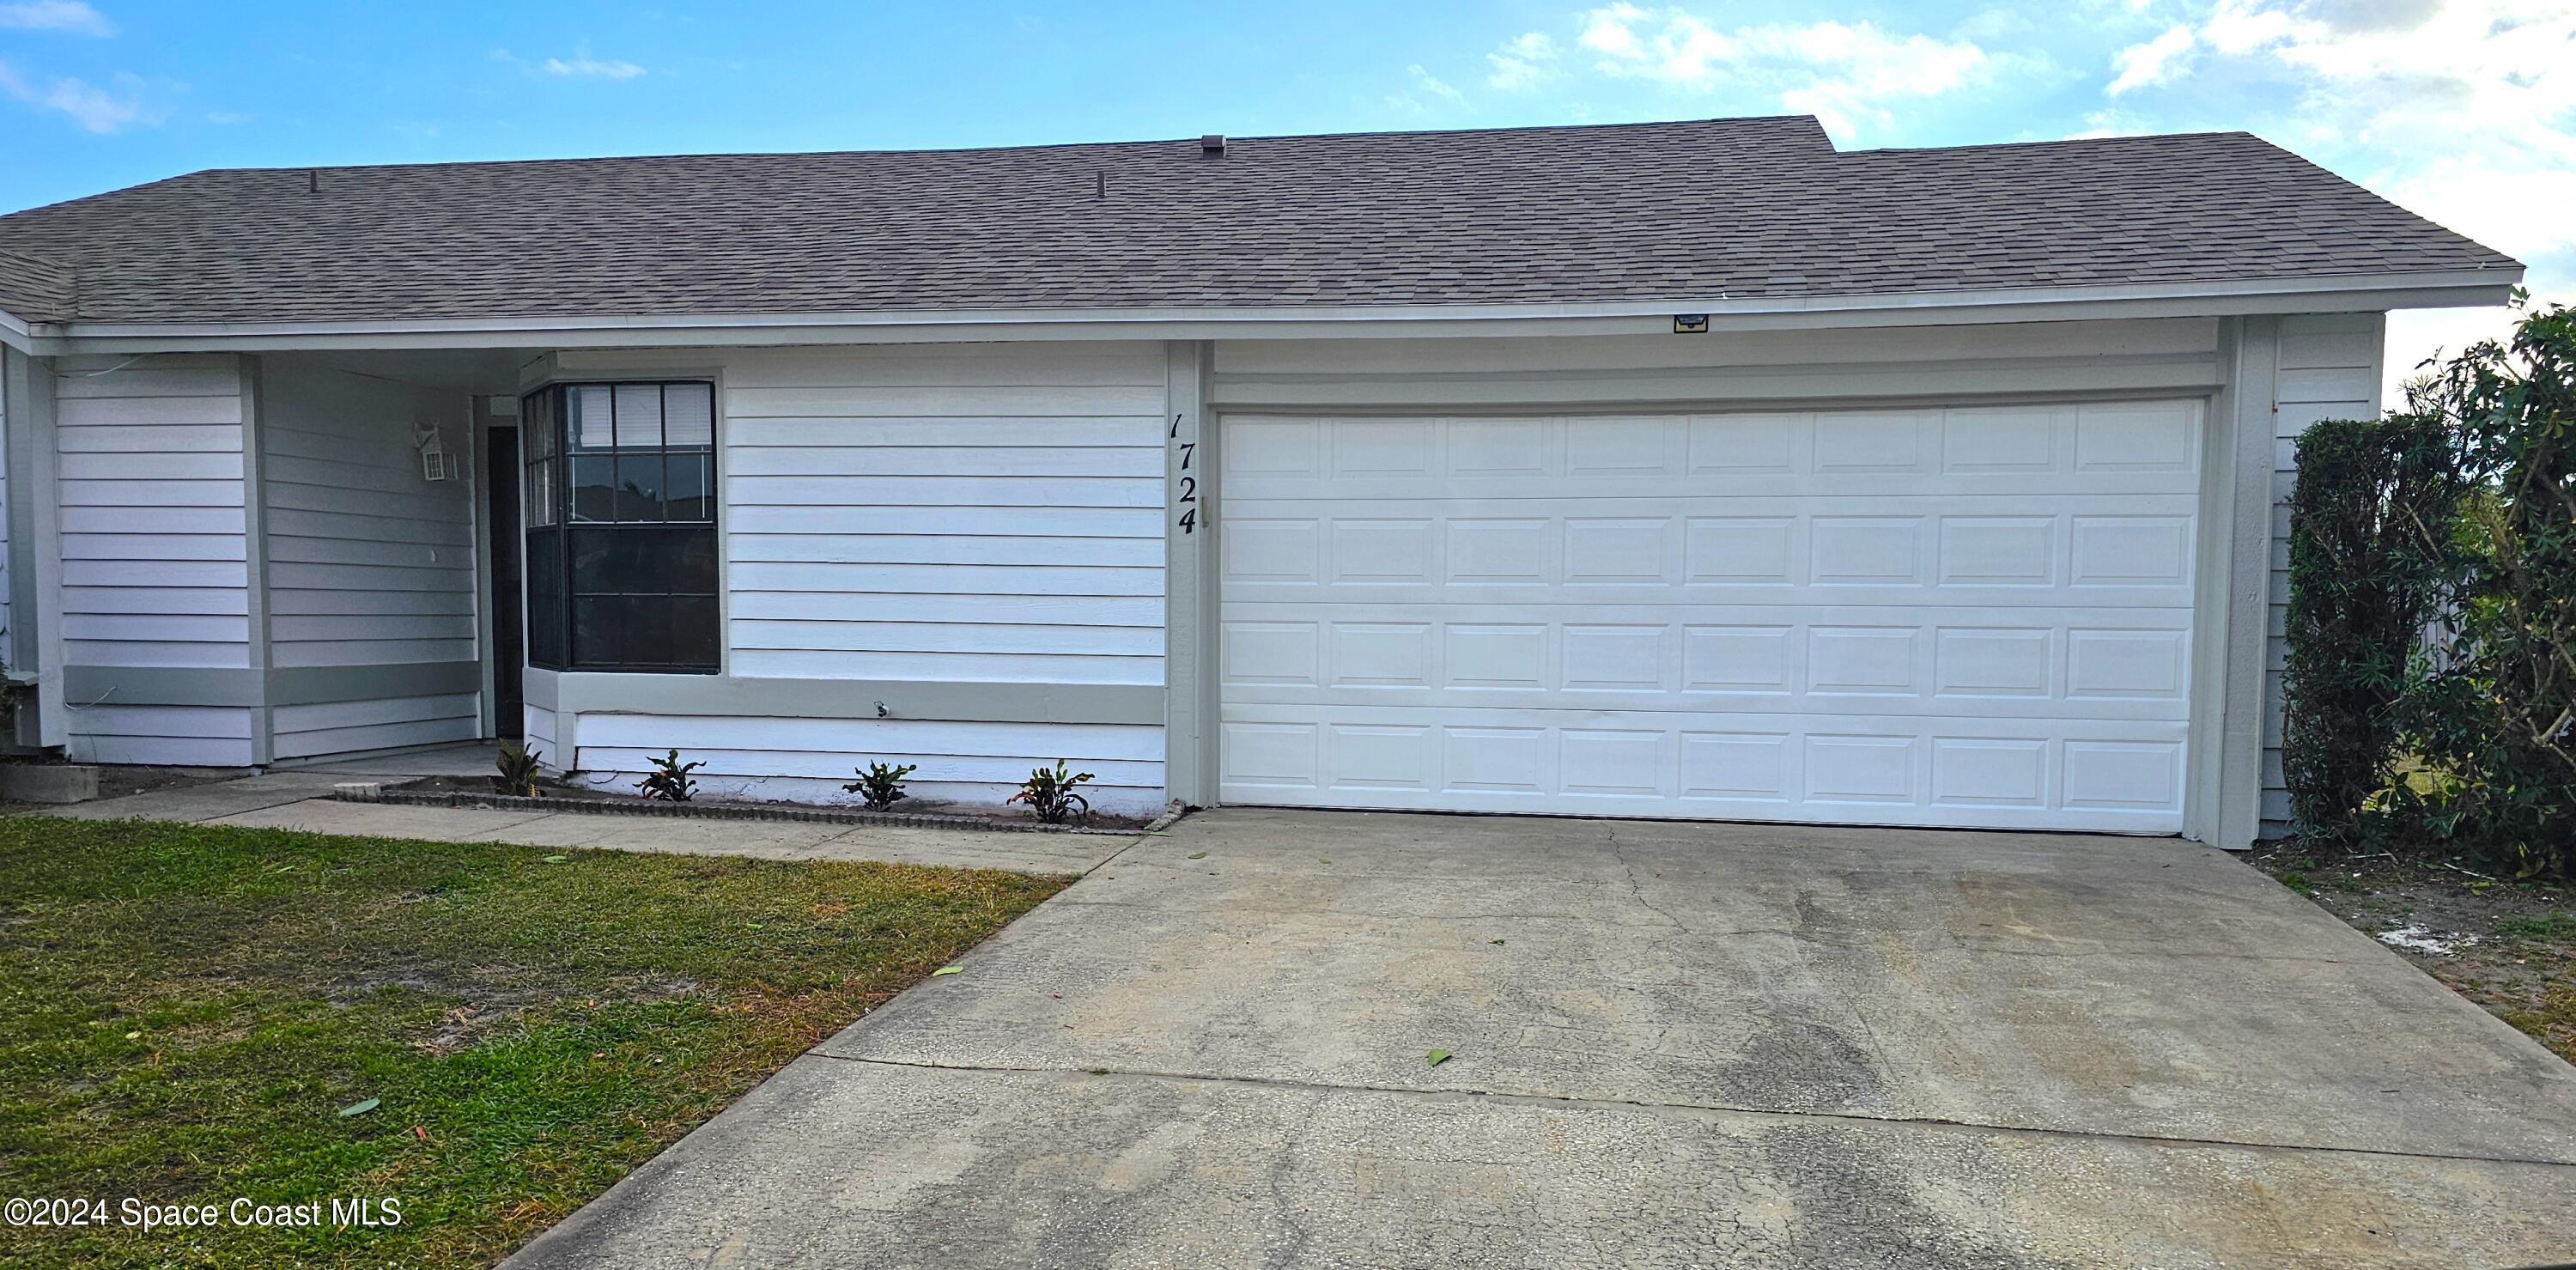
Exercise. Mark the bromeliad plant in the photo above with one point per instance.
(1049, 793)
(518, 770)
(669, 781)
(880, 787)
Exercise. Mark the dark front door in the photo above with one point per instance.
(509, 653)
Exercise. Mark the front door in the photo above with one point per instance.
(508, 648)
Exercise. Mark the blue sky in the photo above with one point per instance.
(2462, 109)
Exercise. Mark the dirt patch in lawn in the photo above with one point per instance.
(2508, 946)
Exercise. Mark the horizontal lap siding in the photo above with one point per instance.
(5, 406)
(346, 727)
(2329, 369)
(197, 736)
(986, 514)
(978, 514)
(155, 545)
(369, 564)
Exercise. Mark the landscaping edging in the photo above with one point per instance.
(371, 792)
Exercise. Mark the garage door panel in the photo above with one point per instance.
(1818, 704)
(2103, 447)
(2107, 663)
(1962, 551)
(1963, 616)
(2076, 774)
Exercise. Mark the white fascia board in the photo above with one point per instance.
(2026, 304)
(14, 333)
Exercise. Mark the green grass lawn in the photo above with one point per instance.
(184, 1012)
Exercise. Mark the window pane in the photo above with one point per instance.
(588, 418)
(690, 557)
(648, 630)
(545, 599)
(537, 423)
(693, 630)
(596, 623)
(594, 487)
(535, 506)
(639, 416)
(639, 486)
(596, 568)
(688, 489)
(689, 411)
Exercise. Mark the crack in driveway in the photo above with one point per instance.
(1530, 1098)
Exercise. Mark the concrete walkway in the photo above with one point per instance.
(1672, 1045)
(299, 799)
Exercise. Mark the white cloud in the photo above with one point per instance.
(2161, 60)
(2463, 111)
(584, 66)
(1432, 84)
(1844, 73)
(2113, 123)
(1425, 84)
(71, 17)
(1525, 61)
(100, 110)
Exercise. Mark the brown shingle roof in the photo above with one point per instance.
(1667, 211)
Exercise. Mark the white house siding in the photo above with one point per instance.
(2329, 369)
(4, 521)
(369, 563)
(155, 546)
(537, 726)
(916, 516)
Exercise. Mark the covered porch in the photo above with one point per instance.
(268, 559)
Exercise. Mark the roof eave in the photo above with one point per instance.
(2355, 293)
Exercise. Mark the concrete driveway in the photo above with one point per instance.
(1673, 1045)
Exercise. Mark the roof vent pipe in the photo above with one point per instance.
(312, 180)
(1213, 145)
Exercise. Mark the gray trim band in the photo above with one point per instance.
(85, 686)
(321, 685)
(577, 692)
(250, 689)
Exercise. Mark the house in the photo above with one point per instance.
(1689, 469)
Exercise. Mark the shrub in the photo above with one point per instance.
(669, 780)
(1049, 793)
(517, 766)
(879, 786)
(2500, 710)
(2369, 522)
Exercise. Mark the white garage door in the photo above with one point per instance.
(1967, 616)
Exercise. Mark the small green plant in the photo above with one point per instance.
(518, 770)
(1049, 793)
(2554, 925)
(880, 786)
(669, 781)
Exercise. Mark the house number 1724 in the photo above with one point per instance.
(1186, 498)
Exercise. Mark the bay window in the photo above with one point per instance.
(621, 518)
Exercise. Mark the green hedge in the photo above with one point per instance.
(2368, 565)
(2460, 513)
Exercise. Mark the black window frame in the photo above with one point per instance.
(641, 565)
